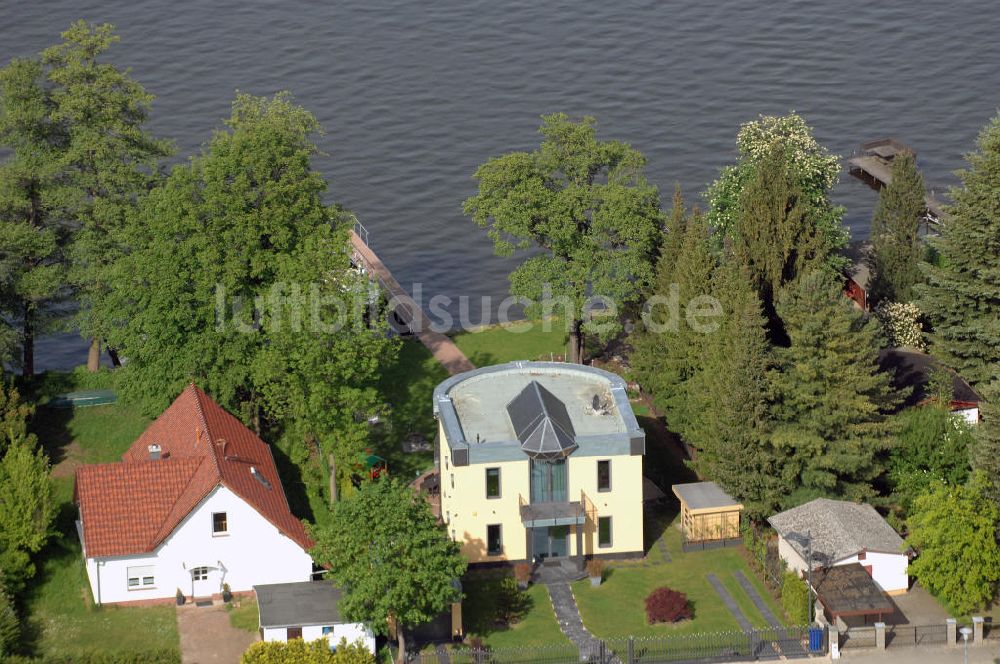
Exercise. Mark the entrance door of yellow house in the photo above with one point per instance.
(550, 542)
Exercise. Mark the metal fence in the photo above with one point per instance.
(753, 645)
(915, 635)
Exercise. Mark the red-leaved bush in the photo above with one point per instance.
(665, 605)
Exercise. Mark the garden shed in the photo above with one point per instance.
(708, 514)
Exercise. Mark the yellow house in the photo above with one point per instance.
(539, 461)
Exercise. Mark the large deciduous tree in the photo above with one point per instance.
(831, 398)
(954, 530)
(238, 276)
(110, 156)
(896, 246)
(587, 214)
(33, 232)
(391, 558)
(962, 294)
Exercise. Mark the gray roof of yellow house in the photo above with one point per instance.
(837, 528)
(541, 423)
(587, 403)
(704, 495)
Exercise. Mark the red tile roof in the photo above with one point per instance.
(132, 506)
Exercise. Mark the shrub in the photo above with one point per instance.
(595, 568)
(522, 572)
(512, 603)
(795, 598)
(298, 651)
(666, 606)
(159, 656)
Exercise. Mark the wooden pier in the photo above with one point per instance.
(406, 308)
(873, 164)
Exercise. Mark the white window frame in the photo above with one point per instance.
(140, 577)
(220, 533)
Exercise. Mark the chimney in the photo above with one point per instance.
(154, 452)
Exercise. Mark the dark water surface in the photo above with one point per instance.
(415, 95)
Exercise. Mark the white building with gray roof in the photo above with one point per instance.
(839, 532)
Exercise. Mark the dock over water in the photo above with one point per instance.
(873, 164)
(443, 348)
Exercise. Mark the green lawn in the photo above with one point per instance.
(616, 607)
(244, 616)
(528, 340)
(538, 627)
(60, 617)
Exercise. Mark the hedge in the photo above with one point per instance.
(795, 598)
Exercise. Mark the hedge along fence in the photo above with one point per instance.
(795, 598)
(161, 656)
(763, 556)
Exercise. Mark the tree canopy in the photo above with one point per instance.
(27, 505)
(831, 398)
(587, 214)
(953, 529)
(390, 556)
(237, 276)
(110, 158)
(34, 231)
(962, 294)
(896, 245)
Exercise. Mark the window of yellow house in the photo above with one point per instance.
(604, 531)
(492, 482)
(604, 475)
(494, 540)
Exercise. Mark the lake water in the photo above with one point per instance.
(415, 95)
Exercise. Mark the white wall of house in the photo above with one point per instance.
(889, 570)
(350, 631)
(970, 415)
(795, 562)
(252, 552)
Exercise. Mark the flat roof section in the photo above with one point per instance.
(704, 496)
(847, 590)
(298, 604)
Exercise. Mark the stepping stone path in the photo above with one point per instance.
(568, 615)
(757, 600)
(730, 603)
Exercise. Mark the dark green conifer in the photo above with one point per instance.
(896, 246)
(831, 398)
(962, 294)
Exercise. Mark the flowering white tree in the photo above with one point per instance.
(901, 324)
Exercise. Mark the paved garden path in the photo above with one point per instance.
(757, 600)
(570, 622)
(207, 636)
(730, 603)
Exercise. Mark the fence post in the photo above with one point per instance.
(952, 626)
(880, 635)
(631, 650)
(834, 642)
(977, 630)
(604, 652)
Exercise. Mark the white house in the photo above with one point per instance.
(912, 371)
(840, 533)
(194, 503)
(306, 611)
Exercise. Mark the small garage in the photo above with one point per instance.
(709, 515)
(306, 610)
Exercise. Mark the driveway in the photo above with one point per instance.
(917, 607)
(208, 638)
